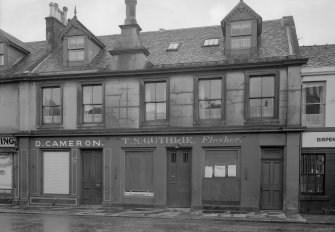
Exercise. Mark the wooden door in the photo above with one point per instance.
(179, 178)
(92, 177)
(272, 181)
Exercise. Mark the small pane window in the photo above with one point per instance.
(241, 28)
(210, 98)
(313, 99)
(242, 42)
(155, 101)
(76, 48)
(51, 105)
(261, 96)
(312, 174)
(173, 46)
(211, 42)
(92, 103)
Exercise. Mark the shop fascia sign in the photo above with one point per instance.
(180, 140)
(318, 139)
(62, 143)
(7, 142)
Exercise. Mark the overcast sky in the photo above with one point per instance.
(25, 19)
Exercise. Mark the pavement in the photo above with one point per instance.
(170, 213)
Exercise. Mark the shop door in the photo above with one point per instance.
(272, 180)
(179, 178)
(92, 177)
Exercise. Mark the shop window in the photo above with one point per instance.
(56, 172)
(312, 174)
(2, 54)
(6, 173)
(139, 173)
(155, 101)
(262, 97)
(241, 35)
(92, 103)
(221, 164)
(313, 103)
(76, 48)
(51, 105)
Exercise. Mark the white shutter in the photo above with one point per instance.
(6, 166)
(56, 170)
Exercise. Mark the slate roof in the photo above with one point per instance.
(319, 55)
(272, 43)
(9, 38)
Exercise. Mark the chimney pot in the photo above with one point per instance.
(130, 12)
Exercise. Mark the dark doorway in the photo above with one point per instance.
(92, 177)
(179, 178)
(272, 179)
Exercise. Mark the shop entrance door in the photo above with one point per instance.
(272, 179)
(92, 177)
(179, 178)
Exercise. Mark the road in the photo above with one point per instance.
(58, 223)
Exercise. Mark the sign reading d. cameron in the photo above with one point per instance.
(7, 142)
(63, 143)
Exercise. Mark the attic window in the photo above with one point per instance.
(76, 48)
(241, 35)
(211, 42)
(173, 46)
(2, 54)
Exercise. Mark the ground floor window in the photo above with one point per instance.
(56, 172)
(313, 174)
(139, 172)
(6, 173)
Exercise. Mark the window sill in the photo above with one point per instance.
(91, 125)
(262, 121)
(139, 194)
(314, 198)
(155, 124)
(50, 126)
(210, 122)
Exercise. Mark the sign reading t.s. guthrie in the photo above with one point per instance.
(7, 141)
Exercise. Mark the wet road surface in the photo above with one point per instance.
(58, 223)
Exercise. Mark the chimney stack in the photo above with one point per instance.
(130, 12)
(55, 24)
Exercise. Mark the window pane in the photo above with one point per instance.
(88, 113)
(268, 86)
(150, 92)
(241, 42)
(255, 87)
(80, 55)
(215, 89)
(80, 42)
(72, 56)
(55, 96)
(161, 111)
(161, 91)
(204, 110)
(267, 107)
(87, 95)
(97, 94)
(204, 90)
(2, 60)
(313, 109)
(2, 48)
(150, 109)
(72, 43)
(313, 94)
(241, 28)
(255, 108)
(46, 96)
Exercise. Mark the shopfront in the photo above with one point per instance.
(248, 170)
(317, 173)
(7, 177)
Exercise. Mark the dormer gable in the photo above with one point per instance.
(80, 45)
(11, 50)
(241, 28)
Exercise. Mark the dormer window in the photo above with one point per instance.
(241, 35)
(76, 48)
(173, 46)
(211, 42)
(2, 54)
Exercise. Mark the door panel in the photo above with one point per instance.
(179, 179)
(272, 184)
(92, 177)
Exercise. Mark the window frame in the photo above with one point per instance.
(211, 42)
(139, 193)
(240, 36)
(2, 54)
(39, 100)
(323, 83)
(76, 49)
(265, 73)
(173, 46)
(198, 78)
(80, 114)
(162, 122)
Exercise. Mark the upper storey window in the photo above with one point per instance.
(241, 35)
(155, 101)
(76, 48)
(51, 106)
(92, 103)
(2, 54)
(210, 99)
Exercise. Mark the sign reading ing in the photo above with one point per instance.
(7, 142)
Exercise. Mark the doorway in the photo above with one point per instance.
(91, 177)
(179, 178)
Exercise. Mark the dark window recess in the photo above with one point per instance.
(185, 157)
(51, 106)
(262, 97)
(313, 174)
(173, 157)
(92, 103)
(210, 99)
(155, 101)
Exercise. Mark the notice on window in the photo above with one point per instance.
(220, 171)
(208, 171)
(231, 170)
